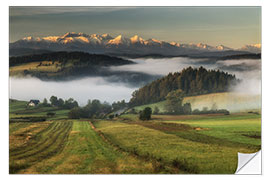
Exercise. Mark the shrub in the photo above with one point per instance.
(111, 116)
(132, 111)
(51, 114)
(145, 114)
(75, 113)
(187, 108)
(156, 110)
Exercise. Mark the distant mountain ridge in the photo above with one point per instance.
(105, 44)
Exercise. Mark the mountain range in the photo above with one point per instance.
(106, 44)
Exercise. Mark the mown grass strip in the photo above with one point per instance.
(47, 144)
(13, 127)
(87, 153)
(37, 140)
(52, 145)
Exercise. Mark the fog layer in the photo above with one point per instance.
(248, 70)
(81, 90)
(108, 89)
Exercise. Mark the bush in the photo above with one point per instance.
(146, 114)
(51, 114)
(132, 111)
(156, 110)
(111, 116)
(187, 108)
(217, 111)
(75, 113)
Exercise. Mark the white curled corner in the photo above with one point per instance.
(249, 163)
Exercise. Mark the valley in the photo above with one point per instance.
(166, 144)
(134, 89)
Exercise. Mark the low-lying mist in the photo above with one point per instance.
(81, 89)
(248, 70)
(113, 88)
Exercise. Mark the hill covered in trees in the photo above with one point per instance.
(76, 58)
(72, 65)
(192, 81)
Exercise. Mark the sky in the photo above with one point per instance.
(229, 26)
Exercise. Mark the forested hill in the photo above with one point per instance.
(75, 58)
(190, 81)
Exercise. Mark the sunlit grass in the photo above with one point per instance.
(198, 157)
(86, 152)
(44, 66)
(165, 144)
(234, 102)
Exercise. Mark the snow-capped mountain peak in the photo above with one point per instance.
(254, 48)
(257, 45)
(204, 46)
(30, 38)
(120, 39)
(105, 42)
(106, 36)
(222, 48)
(51, 38)
(153, 42)
(137, 39)
(72, 34)
(175, 44)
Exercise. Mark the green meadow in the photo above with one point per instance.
(166, 144)
(234, 102)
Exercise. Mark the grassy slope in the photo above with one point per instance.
(234, 102)
(46, 66)
(15, 105)
(161, 106)
(20, 109)
(212, 149)
(34, 147)
(235, 128)
(86, 152)
(39, 147)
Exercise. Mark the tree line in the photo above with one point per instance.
(59, 102)
(77, 58)
(93, 109)
(192, 81)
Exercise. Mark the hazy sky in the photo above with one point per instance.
(230, 26)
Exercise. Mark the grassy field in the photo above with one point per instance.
(39, 141)
(196, 144)
(166, 144)
(71, 147)
(67, 147)
(234, 102)
(160, 105)
(42, 66)
(86, 153)
(19, 109)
